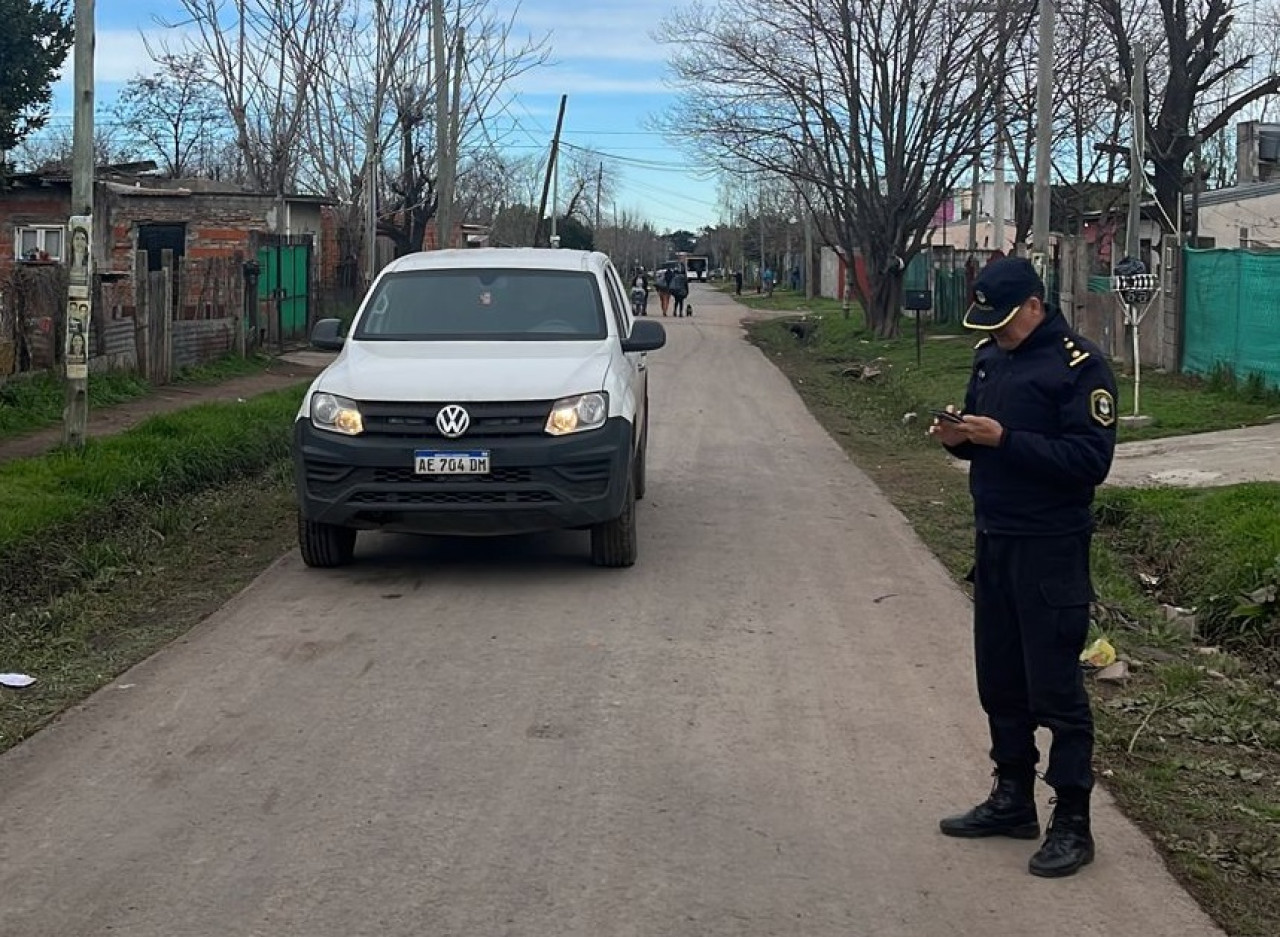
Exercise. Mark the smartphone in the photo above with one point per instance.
(947, 415)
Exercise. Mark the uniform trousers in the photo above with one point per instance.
(1031, 620)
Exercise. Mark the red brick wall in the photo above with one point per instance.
(221, 234)
(21, 207)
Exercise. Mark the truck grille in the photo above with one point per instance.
(488, 420)
(452, 497)
(528, 484)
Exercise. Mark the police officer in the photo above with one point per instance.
(1038, 430)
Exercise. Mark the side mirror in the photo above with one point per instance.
(646, 335)
(327, 335)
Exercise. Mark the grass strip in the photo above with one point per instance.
(57, 510)
(35, 402)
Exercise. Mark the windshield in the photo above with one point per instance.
(484, 305)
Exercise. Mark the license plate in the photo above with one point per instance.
(430, 462)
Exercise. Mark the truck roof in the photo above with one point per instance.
(521, 258)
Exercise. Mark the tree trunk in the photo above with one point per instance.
(886, 301)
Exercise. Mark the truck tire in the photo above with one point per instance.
(614, 543)
(325, 546)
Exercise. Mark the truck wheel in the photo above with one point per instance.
(325, 545)
(614, 542)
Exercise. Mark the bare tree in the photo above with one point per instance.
(175, 113)
(587, 179)
(493, 57)
(1193, 64)
(878, 122)
(52, 147)
(1087, 121)
(266, 57)
(376, 101)
(365, 95)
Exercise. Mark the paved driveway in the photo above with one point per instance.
(1206, 459)
(752, 732)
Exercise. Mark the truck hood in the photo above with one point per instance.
(464, 372)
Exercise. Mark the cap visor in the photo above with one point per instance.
(981, 318)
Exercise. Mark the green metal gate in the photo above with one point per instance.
(284, 275)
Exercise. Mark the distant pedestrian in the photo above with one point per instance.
(679, 284)
(737, 283)
(795, 278)
(662, 286)
(640, 283)
(768, 281)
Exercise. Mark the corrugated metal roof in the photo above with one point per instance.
(1239, 193)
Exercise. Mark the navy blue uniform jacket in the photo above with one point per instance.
(1055, 396)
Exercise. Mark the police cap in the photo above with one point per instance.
(1001, 287)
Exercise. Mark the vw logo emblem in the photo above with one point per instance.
(452, 421)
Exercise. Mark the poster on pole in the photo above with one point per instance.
(80, 256)
(77, 347)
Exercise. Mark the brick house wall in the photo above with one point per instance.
(220, 231)
(28, 207)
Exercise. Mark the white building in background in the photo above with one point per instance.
(1241, 216)
(990, 236)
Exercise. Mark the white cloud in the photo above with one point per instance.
(583, 83)
(603, 31)
(118, 55)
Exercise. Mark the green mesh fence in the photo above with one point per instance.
(1232, 313)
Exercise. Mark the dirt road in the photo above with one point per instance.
(752, 732)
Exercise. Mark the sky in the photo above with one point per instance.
(602, 55)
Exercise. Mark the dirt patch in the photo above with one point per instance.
(150, 584)
(109, 420)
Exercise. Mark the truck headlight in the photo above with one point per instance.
(336, 414)
(578, 414)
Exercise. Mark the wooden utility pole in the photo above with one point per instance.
(80, 255)
(1044, 139)
(551, 165)
(1137, 155)
(449, 151)
(442, 121)
(599, 185)
(372, 148)
(1133, 222)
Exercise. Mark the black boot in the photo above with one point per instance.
(1010, 810)
(1068, 846)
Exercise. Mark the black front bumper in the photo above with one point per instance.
(535, 483)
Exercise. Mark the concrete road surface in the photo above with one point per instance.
(1228, 457)
(753, 732)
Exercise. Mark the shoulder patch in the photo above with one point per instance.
(981, 342)
(1102, 407)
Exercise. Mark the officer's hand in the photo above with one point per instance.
(947, 432)
(981, 430)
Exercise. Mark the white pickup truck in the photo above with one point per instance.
(479, 392)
